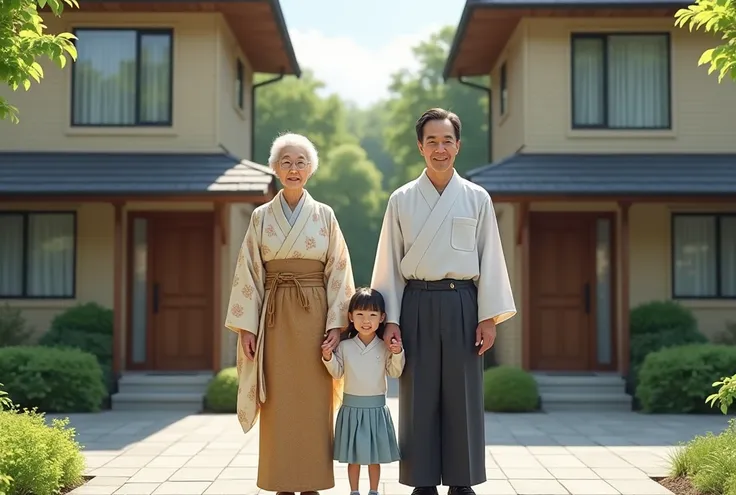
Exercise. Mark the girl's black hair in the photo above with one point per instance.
(366, 299)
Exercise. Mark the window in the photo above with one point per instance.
(239, 84)
(621, 81)
(504, 96)
(37, 254)
(122, 77)
(704, 256)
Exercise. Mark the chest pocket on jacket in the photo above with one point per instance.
(462, 237)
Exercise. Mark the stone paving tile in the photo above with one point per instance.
(559, 453)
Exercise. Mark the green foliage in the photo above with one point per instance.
(351, 184)
(725, 395)
(717, 17)
(14, 329)
(509, 389)
(37, 458)
(676, 379)
(658, 325)
(222, 392)
(87, 327)
(709, 461)
(22, 42)
(52, 379)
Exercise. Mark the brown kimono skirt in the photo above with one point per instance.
(296, 420)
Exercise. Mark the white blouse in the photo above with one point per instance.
(365, 366)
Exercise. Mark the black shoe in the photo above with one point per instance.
(425, 490)
(460, 490)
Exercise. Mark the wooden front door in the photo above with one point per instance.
(568, 251)
(179, 299)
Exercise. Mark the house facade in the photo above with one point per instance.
(128, 180)
(613, 172)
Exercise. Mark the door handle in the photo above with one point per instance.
(586, 296)
(155, 298)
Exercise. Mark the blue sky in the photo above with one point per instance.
(355, 45)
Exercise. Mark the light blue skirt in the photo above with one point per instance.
(364, 431)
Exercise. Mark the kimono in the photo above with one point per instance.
(441, 269)
(293, 282)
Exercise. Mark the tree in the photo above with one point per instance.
(351, 184)
(294, 105)
(369, 125)
(717, 17)
(413, 93)
(22, 42)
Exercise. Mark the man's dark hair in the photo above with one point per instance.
(437, 114)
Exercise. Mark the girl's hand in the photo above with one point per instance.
(326, 352)
(395, 346)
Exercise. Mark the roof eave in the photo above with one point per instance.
(286, 38)
(471, 5)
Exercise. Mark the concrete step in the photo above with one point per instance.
(141, 383)
(161, 391)
(573, 401)
(583, 392)
(127, 401)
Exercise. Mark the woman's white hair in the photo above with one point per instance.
(296, 140)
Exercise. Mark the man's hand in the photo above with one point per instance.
(395, 347)
(485, 335)
(332, 339)
(248, 343)
(391, 333)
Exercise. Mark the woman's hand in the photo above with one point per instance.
(248, 343)
(332, 339)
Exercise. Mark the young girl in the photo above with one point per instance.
(364, 430)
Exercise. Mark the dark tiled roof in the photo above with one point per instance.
(608, 174)
(59, 173)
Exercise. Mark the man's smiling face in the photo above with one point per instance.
(439, 147)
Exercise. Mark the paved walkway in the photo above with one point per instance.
(526, 454)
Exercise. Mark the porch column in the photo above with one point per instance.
(219, 239)
(624, 333)
(523, 239)
(117, 326)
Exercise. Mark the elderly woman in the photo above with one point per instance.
(292, 285)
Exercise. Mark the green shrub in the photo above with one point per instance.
(509, 389)
(222, 392)
(658, 325)
(679, 379)
(14, 329)
(709, 461)
(53, 380)
(37, 458)
(87, 327)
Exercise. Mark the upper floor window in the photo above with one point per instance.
(122, 77)
(621, 81)
(239, 84)
(704, 255)
(504, 96)
(37, 254)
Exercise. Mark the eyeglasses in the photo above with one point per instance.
(287, 165)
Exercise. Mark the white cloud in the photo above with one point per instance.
(361, 74)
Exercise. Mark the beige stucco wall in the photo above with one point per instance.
(205, 117)
(508, 129)
(233, 123)
(702, 112)
(95, 261)
(650, 266)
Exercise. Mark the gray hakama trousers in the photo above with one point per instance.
(441, 417)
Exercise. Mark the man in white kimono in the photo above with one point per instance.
(441, 269)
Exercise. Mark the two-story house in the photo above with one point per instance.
(128, 181)
(613, 172)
